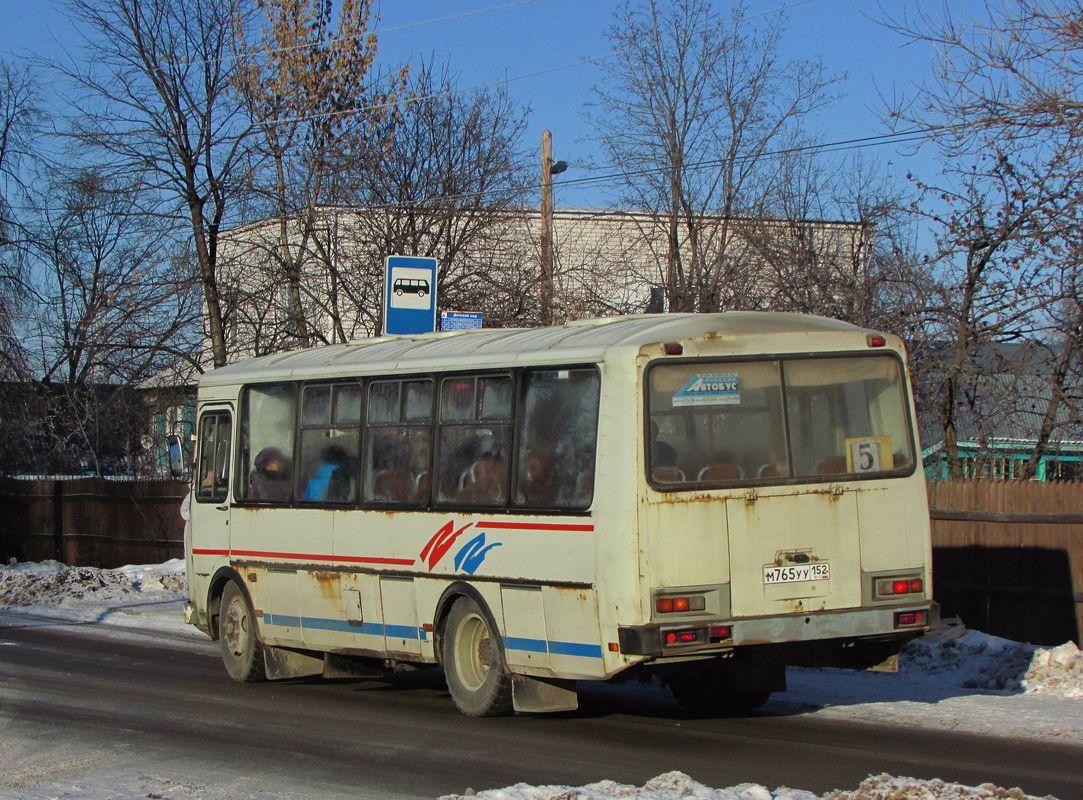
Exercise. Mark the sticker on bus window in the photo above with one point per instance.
(709, 390)
(869, 454)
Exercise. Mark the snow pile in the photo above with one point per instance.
(670, 786)
(674, 785)
(974, 660)
(51, 583)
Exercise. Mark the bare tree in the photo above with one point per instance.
(307, 86)
(156, 102)
(19, 117)
(115, 304)
(1005, 112)
(692, 107)
(444, 186)
(115, 308)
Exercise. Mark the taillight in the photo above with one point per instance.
(876, 340)
(906, 619)
(684, 636)
(891, 587)
(679, 603)
(720, 633)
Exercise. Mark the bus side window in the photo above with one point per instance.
(330, 431)
(474, 439)
(398, 442)
(557, 439)
(213, 469)
(265, 461)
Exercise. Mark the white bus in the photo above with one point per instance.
(701, 498)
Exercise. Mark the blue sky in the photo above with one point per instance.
(544, 49)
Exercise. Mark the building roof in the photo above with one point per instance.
(581, 341)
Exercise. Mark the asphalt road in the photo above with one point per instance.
(74, 699)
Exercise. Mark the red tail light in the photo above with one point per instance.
(674, 605)
(889, 587)
(906, 619)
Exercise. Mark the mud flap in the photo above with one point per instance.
(280, 663)
(539, 695)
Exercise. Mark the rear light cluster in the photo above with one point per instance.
(892, 587)
(908, 619)
(675, 605)
(686, 636)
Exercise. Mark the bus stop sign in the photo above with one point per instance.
(409, 294)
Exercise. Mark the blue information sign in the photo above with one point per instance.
(409, 294)
(460, 320)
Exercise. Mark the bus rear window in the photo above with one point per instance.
(776, 420)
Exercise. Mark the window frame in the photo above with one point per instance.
(428, 502)
(220, 484)
(300, 427)
(791, 480)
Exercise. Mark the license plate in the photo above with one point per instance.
(797, 573)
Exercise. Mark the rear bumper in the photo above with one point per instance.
(845, 625)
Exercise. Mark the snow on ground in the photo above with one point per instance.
(954, 678)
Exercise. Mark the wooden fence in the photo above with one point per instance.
(91, 521)
(1007, 556)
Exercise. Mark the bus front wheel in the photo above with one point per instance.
(237, 640)
(473, 667)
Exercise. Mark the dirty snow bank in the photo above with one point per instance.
(973, 660)
(51, 583)
(674, 785)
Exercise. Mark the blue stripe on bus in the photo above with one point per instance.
(553, 647)
(411, 632)
(342, 626)
(529, 645)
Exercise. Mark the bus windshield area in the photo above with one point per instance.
(777, 421)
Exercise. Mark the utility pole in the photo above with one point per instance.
(548, 170)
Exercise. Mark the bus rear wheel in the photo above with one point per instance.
(237, 640)
(719, 690)
(473, 667)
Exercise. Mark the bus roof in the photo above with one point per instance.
(582, 341)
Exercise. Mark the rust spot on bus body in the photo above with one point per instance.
(327, 581)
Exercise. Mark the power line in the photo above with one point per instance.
(878, 140)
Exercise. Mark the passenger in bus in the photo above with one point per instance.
(392, 481)
(486, 481)
(538, 483)
(663, 458)
(270, 478)
(330, 480)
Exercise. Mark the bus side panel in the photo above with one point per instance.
(525, 634)
(319, 604)
(363, 611)
(402, 635)
(575, 647)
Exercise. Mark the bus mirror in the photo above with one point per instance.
(177, 465)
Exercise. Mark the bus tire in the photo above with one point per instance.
(237, 640)
(473, 665)
(715, 692)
